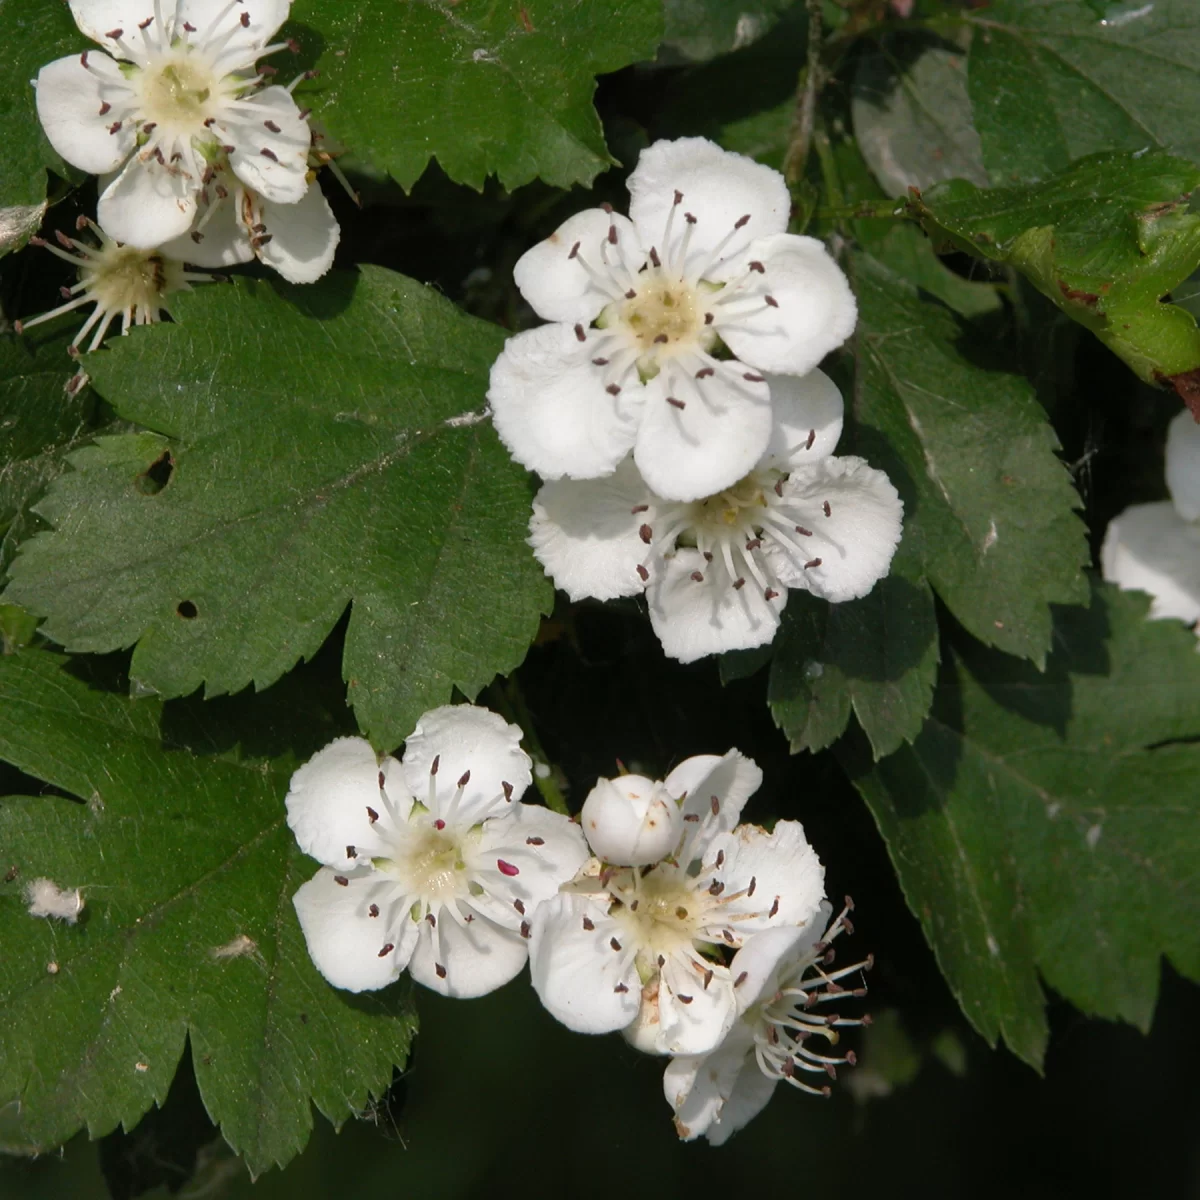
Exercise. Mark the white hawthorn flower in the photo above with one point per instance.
(432, 864)
(631, 821)
(781, 986)
(716, 570)
(1155, 548)
(642, 307)
(641, 949)
(236, 225)
(177, 91)
(121, 281)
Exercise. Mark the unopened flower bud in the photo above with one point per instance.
(631, 821)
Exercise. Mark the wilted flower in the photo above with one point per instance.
(121, 281)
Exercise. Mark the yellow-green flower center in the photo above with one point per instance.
(178, 92)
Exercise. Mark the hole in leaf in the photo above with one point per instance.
(157, 475)
(187, 610)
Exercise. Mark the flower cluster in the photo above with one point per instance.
(674, 407)
(201, 159)
(664, 918)
(1155, 548)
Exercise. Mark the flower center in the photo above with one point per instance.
(736, 508)
(178, 92)
(121, 278)
(432, 865)
(663, 312)
(661, 910)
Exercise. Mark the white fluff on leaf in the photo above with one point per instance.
(46, 899)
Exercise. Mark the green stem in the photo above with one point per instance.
(830, 178)
(809, 85)
(509, 701)
(879, 210)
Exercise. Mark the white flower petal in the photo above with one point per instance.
(732, 778)
(69, 98)
(694, 619)
(751, 1092)
(807, 411)
(475, 958)
(470, 744)
(697, 1086)
(577, 975)
(147, 204)
(265, 17)
(718, 435)
(98, 18)
(1183, 464)
(788, 878)
(1150, 548)
(343, 940)
(545, 847)
(328, 800)
(273, 164)
(563, 286)
(758, 962)
(719, 189)
(224, 241)
(303, 237)
(692, 1018)
(551, 410)
(814, 309)
(854, 543)
(585, 533)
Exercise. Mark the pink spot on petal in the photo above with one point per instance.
(439, 824)
(506, 868)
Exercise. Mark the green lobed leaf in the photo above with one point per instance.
(901, 246)
(876, 656)
(1050, 824)
(1106, 240)
(1054, 80)
(912, 118)
(988, 506)
(503, 89)
(187, 870)
(39, 425)
(317, 447)
(34, 33)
